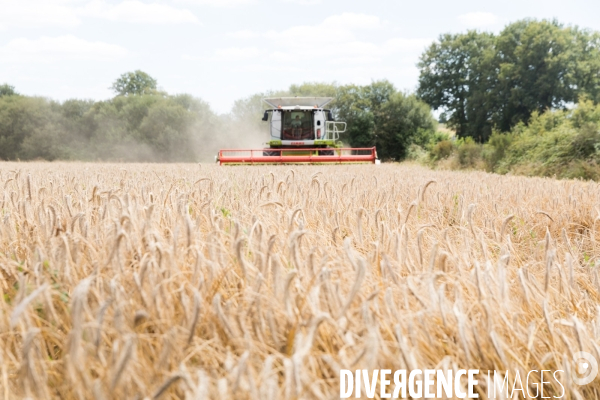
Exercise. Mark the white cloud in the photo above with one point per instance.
(218, 3)
(36, 14)
(137, 12)
(334, 29)
(351, 52)
(69, 13)
(237, 53)
(478, 19)
(353, 21)
(244, 34)
(405, 45)
(308, 35)
(346, 47)
(339, 33)
(227, 54)
(47, 49)
(303, 2)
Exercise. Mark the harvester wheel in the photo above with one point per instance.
(326, 152)
(268, 153)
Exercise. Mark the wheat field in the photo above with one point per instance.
(206, 282)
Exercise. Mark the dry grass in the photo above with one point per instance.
(173, 281)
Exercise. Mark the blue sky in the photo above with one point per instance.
(223, 50)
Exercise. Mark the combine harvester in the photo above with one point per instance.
(302, 132)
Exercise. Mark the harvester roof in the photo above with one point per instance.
(286, 102)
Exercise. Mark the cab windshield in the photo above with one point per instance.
(298, 125)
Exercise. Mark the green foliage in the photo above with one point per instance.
(417, 153)
(401, 121)
(31, 127)
(562, 143)
(455, 75)
(7, 90)
(484, 82)
(559, 143)
(442, 150)
(468, 153)
(360, 131)
(149, 128)
(358, 106)
(134, 83)
(536, 70)
(378, 115)
(431, 138)
(496, 148)
(132, 128)
(141, 124)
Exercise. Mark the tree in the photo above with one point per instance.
(536, 63)
(587, 72)
(400, 121)
(31, 127)
(358, 107)
(134, 83)
(456, 74)
(361, 130)
(7, 90)
(151, 128)
(378, 115)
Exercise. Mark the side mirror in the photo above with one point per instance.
(265, 116)
(329, 116)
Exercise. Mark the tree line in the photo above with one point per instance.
(140, 125)
(143, 123)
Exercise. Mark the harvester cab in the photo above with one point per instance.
(302, 122)
(301, 131)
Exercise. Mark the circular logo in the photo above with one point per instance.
(586, 368)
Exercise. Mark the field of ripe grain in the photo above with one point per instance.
(198, 281)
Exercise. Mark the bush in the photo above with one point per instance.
(401, 121)
(468, 153)
(495, 149)
(557, 143)
(585, 142)
(417, 153)
(442, 150)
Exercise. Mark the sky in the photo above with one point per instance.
(224, 50)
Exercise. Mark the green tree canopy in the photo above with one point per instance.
(134, 83)
(400, 121)
(482, 81)
(31, 127)
(358, 106)
(456, 76)
(536, 65)
(7, 90)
